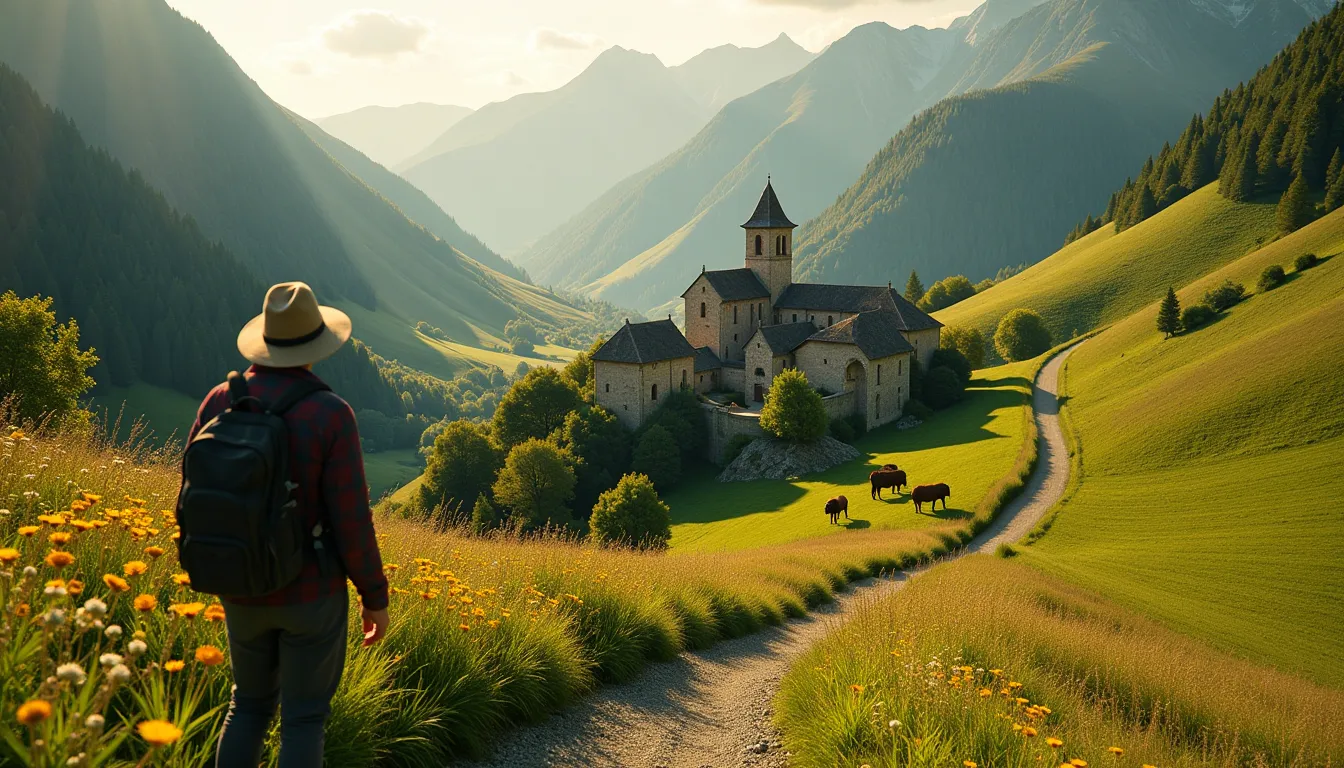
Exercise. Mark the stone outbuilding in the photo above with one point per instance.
(639, 364)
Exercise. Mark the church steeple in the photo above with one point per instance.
(769, 243)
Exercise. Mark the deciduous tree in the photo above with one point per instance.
(1021, 335)
(461, 466)
(657, 456)
(41, 363)
(793, 410)
(536, 483)
(534, 407)
(632, 514)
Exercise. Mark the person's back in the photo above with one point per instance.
(288, 646)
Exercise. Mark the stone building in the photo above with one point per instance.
(745, 325)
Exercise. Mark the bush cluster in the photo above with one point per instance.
(1305, 261)
(1271, 278)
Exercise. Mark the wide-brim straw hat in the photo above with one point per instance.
(293, 329)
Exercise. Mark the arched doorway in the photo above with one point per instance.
(856, 381)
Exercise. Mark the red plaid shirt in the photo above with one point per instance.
(327, 463)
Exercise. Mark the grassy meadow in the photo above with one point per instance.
(991, 662)
(1210, 486)
(166, 412)
(970, 446)
(1104, 277)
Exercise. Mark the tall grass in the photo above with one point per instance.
(985, 659)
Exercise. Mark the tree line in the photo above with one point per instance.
(1280, 133)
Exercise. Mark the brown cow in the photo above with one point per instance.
(933, 493)
(835, 506)
(885, 478)
(890, 466)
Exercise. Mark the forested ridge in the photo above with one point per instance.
(1281, 131)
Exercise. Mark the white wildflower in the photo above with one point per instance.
(136, 647)
(110, 659)
(119, 674)
(54, 591)
(29, 572)
(54, 618)
(71, 673)
(893, 723)
(96, 608)
(94, 722)
(113, 631)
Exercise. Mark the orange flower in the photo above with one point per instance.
(159, 733)
(214, 612)
(33, 712)
(92, 498)
(174, 665)
(134, 568)
(1117, 751)
(209, 655)
(154, 551)
(83, 525)
(74, 586)
(21, 610)
(182, 579)
(464, 627)
(1054, 742)
(1078, 762)
(52, 520)
(856, 688)
(9, 555)
(187, 610)
(115, 582)
(29, 530)
(146, 603)
(58, 559)
(60, 537)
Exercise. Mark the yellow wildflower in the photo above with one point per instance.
(134, 568)
(58, 559)
(159, 733)
(187, 610)
(29, 530)
(33, 712)
(154, 551)
(1054, 742)
(9, 555)
(145, 603)
(174, 665)
(209, 655)
(214, 612)
(115, 583)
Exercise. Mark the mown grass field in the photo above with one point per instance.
(1210, 495)
(1104, 277)
(970, 447)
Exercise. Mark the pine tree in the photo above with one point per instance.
(1169, 314)
(914, 289)
(1144, 206)
(1295, 206)
(1198, 168)
(1334, 195)
(1332, 171)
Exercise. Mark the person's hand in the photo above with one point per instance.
(375, 625)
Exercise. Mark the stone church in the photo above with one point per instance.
(744, 326)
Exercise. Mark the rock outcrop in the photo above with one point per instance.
(770, 459)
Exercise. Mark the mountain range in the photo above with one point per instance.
(516, 169)
(391, 135)
(1078, 87)
(155, 91)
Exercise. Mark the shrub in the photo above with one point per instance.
(483, 516)
(1305, 261)
(968, 341)
(461, 466)
(942, 387)
(632, 514)
(1021, 335)
(916, 409)
(734, 448)
(681, 415)
(954, 359)
(1271, 278)
(947, 292)
(1225, 296)
(657, 457)
(1196, 315)
(42, 364)
(859, 423)
(793, 410)
(536, 483)
(842, 430)
(521, 346)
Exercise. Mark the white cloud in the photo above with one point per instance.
(550, 39)
(301, 67)
(375, 34)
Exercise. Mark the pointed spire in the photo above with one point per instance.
(769, 213)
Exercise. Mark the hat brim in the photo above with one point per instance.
(253, 346)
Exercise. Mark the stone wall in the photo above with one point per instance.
(633, 391)
(724, 425)
(925, 344)
(732, 379)
(738, 321)
(888, 388)
(759, 358)
(824, 363)
(703, 331)
(838, 405)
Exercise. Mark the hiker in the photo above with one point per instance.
(274, 515)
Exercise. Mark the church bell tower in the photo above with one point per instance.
(770, 243)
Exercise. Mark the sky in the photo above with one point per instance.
(324, 57)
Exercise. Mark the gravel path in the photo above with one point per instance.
(712, 709)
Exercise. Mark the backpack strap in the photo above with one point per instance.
(295, 395)
(238, 394)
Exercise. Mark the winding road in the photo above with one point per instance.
(712, 709)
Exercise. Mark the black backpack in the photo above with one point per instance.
(241, 534)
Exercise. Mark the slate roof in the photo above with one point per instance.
(786, 337)
(768, 213)
(645, 343)
(857, 298)
(706, 360)
(735, 284)
(874, 332)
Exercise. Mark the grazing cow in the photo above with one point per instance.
(835, 506)
(885, 478)
(890, 466)
(931, 493)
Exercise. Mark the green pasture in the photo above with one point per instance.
(970, 446)
(1104, 277)
(386, 471)
(1211, 494)
(164, 413)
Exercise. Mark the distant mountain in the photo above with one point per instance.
(813, 130)
(998, 176)
(516, 169)
(390, 135)
(163, 98)
(989, 16)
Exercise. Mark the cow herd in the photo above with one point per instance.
(892, 477)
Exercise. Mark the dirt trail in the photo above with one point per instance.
(712, 709)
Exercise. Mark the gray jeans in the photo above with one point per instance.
(291, 655)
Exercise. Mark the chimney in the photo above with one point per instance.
(627, 321)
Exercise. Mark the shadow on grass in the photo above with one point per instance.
(855, 524)
(946, 514)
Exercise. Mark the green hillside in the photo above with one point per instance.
(1105, 276)
(165, 99)
(813, 131)
(1210, 484)
(970, 446)
(997, 177)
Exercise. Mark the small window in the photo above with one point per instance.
(760, 371)
(702, 309)
(877, 406)
(823, 361)
(830, 320)
(655, 392)
(758, 345)
(683, 377)
(608, 386)
(899, 366)
(758, 245)
(734, 315)
(879, 373)
(795, 317)
(734, 337)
